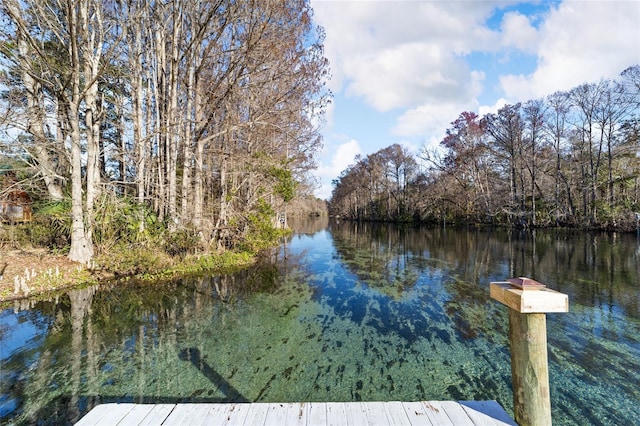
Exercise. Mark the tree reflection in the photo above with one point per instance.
(378, 254)
(595, 269)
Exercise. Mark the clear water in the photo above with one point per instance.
(343, 313)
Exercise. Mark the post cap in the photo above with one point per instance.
(528, 296)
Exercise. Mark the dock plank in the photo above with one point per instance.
(375, 414)
(396, 413)
(237, 414)
(438, 415)
(256, 414)
(277, 414)
(415, 413)
(216, 414)
(158, 413)
(136, 415)
(295, 413)
(317, 413)
(354, 412)
(186, 414)
(105, 414)
(455, 412)
(336, 414)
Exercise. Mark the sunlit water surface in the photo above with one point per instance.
(343, 313)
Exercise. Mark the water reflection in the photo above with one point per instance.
(343, 313)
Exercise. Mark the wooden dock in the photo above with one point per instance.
(423, 413)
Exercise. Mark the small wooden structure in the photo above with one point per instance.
(418, 413)
(282, 220)
(15, 207)
(528, 303)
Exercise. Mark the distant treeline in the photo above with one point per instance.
(570, 159)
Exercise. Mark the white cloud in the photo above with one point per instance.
(492, 109)
(518, 32)
(580, 42)
(343, 156)
(324, 191)
(433, 118)
(405, 76)
(402, 54)
(519, 87)
(427, 119)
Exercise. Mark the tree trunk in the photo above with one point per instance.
(187, 162)
(174, 125)
(81, 244)
(90, 36)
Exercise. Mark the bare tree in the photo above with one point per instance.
(556, 127)
(506, 129)
(534, 117)
(26, 59)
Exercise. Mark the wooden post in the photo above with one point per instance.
(528, 303)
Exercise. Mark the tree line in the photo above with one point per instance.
(205, 113)
(569, 159)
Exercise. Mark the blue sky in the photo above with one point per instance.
(403, 70)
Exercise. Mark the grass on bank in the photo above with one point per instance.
(123, 252)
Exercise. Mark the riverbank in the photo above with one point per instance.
(30, 272)
(27, 273)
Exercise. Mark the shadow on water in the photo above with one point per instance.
(194, 356)
(68, 409)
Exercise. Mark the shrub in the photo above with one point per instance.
(181, 242)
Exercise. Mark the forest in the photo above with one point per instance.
(185, 124)
(571, 159)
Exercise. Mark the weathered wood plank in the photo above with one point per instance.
(437, 414)
(375, 413)
(455, 412)
(237, 414)
(137, 414)
(420, 413)
(335, 414)
(355, 414)
(105, 414)
(315, 413)
(396, 414)
(257, 414)
(187, 414)
(277, 414)
(215, 414)
(158, 413)
(297, 413)
(415, 412)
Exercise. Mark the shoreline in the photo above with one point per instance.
(34, 273)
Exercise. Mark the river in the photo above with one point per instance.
(338, 312)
